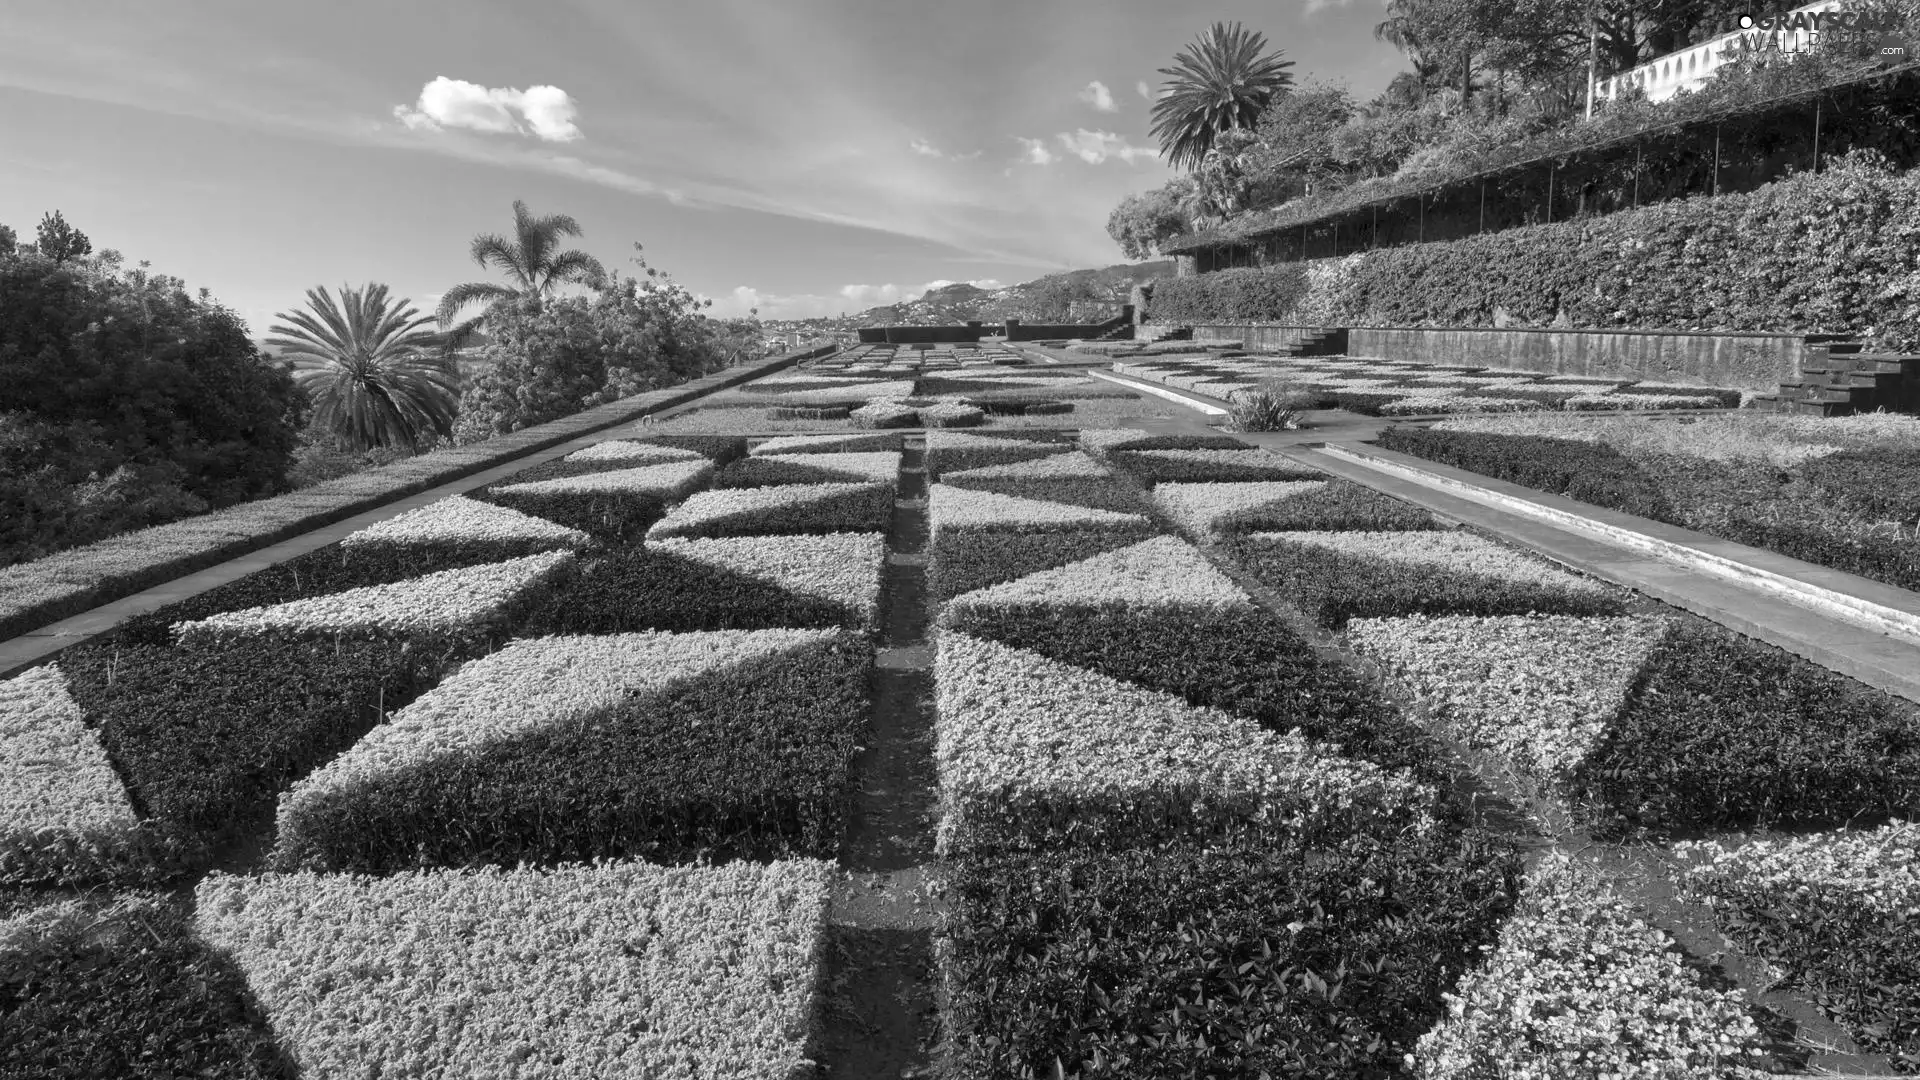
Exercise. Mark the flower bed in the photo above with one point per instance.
(1834, 913)
(581, 971)
(789, 508)
(1581, 987)
(662, 746)
(1336, 576)
(1222, 961)
(1034, 753)
(445, 604)
(1208, 466)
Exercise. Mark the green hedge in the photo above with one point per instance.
(1832, 252)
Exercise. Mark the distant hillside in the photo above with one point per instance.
(1040, 298)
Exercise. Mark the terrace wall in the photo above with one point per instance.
(922, 335)
(1256, 337)
(1743, 361)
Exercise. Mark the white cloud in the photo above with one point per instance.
(922, 146)
(1097, 95)
(1035, 151)
(1322, 5)
(1145, 91)
(1094, 147)
(545, 112)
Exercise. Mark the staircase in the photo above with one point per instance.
(1325, 343)
(1123, 332)
(1153, 332)
(1840, 378)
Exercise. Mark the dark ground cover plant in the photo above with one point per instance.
(1242, 662)
(1192, 961)
(1824, 511)
(962, 560)
(1720, 731)
(1024, 406)
(849, 443)
(610, 517)
(836, 410)
(1151, 470)
(206, 735)
(1181, 442)
(1728, 399)
(641, 588)
(1087, 391)
(865, 509)
(127, 990)
(749, 762)
(1340, 505)
(1097, 493)
(723, 449)
(1334, 586)
(1009, 447)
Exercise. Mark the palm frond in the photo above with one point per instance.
(1220, 82)
(467, 293)
(573, 268)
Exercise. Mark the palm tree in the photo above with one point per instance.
(529, 258)
(376, 370)
(1219, 83)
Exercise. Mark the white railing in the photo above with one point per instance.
(1691, 67)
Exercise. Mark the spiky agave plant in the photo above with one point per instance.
(1218, 83)
(375, 368)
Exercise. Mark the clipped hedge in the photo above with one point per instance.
(749, 761)
(635, 589)
(962, 560)
(1826, 252)
(1589, 471)
(1721, 731)
(128, 990)
(1340, 504)
(1196, 961)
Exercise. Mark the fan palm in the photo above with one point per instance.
(529, 258)
(1219, 83)
(375, 368)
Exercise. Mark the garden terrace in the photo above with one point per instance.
(644, 759)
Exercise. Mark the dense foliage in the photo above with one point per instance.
(1829, 252)
(125, 402)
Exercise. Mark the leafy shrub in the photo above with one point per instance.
(1880, 485)
(1274, 405)
(962, 560)
(747, 762)
(634, 589)
(1238, 465)
(207, 735)
(128, 990)
(1333, 586)
(1243, 662)
(1721, 731)
(612, 517)
(1341, 504)
(1226, 296)
(1190, 961)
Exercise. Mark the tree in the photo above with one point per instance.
(60, 241)
(1220, 82)
(374, 368)
(1142, 222)
(530, 259)
(9, 240)
(1296, 147)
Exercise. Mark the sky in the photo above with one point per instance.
(803, 158)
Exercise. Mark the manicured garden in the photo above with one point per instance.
(550, 778)
(1836, 492)
(1374, 387)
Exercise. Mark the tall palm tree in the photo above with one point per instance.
(529, 259)
(1403, 33)
(375, 368)
(1218, 83)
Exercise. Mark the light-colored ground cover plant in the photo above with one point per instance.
(457, 518)
(1580, 988)
(1197, 507)
(872, 465)
(950, 414)
(885, 413)
(443, 602)
(1423, 405)
(1158, 573)
(841, 567)
(672, 480)
(1058, 466)
(630, 452)
(1536, 689)
(708, 507)
(1447, 550)
(822, 444)
(612, 969)
(1033, 752)
(1596, 402)
(962, 508)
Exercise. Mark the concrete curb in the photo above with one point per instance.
(1897, 622)
(1160, 391)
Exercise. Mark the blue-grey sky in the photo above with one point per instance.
(809, 157)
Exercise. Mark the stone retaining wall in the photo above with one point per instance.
(1735, 361)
